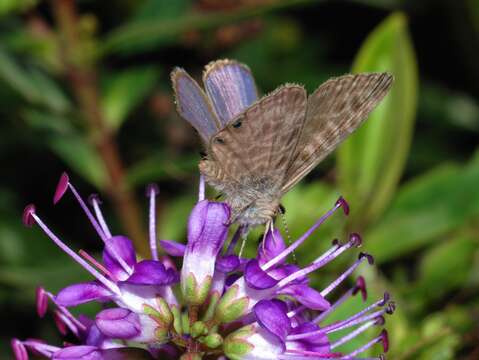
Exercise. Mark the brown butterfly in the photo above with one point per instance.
(257, 149)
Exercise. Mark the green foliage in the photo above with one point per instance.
(427, 208)
(415, 199)
(125, 91)
(371, 162)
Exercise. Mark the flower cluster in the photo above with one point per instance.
(219, 306)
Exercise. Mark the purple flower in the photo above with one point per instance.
(207, 231)
(243, 308)
(221, 304)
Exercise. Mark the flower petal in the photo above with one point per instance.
(273, 245)
(207, 232)
(272, 317)
(256, 278)
(230, 87)
(207, 229)
(306, 296)
(119, 246)
(227, 263)
(81, 293)
(118, 323)
(82, 352)
(173, 248)
(151, 272)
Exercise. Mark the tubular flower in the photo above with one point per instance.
(218, 306)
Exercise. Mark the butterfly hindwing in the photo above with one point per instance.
(194, 106)
(259, 143)
(334, 110)
(230, 87)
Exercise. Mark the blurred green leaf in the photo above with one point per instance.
(371, 161)
(46, 121)
(79, 155)
(33, 85)
(174, 218)
(158, 10)
(473, 7)
(9, 6)
(161, 165)
(440, 272)
(154, 32)
(438, 340)
(425, 208)
(443, 107)
(47, 274)
(124, 91)
(304, 205)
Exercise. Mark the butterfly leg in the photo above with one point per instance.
(269, 227)
(244, 236)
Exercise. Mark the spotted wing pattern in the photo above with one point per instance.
(259, 142)
(334, 110)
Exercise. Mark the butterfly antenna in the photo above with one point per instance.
(288, 234)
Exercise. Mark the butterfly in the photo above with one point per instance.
(257, 149)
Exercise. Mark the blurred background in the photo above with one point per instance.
(84, 88)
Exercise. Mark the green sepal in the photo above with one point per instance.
(177, 320)
(199, 328)
(212, 302)
(162, 314)
(235, 346)
(229, 307)
(213, 340)
(185, 322)
(193, 293)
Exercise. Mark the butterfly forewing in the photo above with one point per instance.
(334, 110)
(258, 143)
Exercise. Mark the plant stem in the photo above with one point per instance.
(82, 75)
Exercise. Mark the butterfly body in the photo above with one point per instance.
(257, 149)
(253, 200)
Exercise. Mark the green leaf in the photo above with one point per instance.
(47, 121)
(158, 10)
(80, 156)
(174, 218)
(9, 6)
(426, 208)
(34, 86)
(304, 205)
(154, 32)
(371, 161)
(440, 272)
(161, 165)
(126, 90)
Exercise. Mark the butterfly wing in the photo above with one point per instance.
(258, 143)
(194, 106)
(334, 110)
(230, 87)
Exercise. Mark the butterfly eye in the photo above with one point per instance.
(237, 124)
(219, 140)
